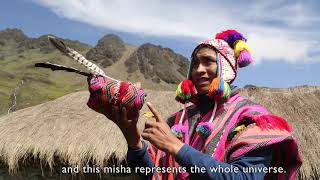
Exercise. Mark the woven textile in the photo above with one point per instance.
(105, 93)
(265, 131)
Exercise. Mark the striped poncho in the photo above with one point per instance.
(239, 127)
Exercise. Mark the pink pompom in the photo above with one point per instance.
(244, 58)
(179, 130)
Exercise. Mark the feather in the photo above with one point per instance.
(94, 69)
(55, 67)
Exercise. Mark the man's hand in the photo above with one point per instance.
(128, 128)
(159, 134)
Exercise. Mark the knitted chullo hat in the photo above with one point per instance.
(232, 52)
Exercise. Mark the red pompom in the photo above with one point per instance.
(187, 87)
(186, 92)
(225, 33)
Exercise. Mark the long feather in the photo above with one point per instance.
(94, 69)
(55, 67)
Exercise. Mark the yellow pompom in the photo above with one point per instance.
(179, 90)
(239, 128)
(239, 46)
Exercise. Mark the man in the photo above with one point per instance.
(222, 133)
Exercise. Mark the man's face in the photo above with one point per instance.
(204, 69)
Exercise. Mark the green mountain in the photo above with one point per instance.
(22, 82)
(22, 85)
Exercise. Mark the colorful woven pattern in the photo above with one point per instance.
(240, 126)
(227, 69)
(105, 93)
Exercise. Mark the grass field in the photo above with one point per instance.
(39, 85)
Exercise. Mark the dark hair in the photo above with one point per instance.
(200, 46)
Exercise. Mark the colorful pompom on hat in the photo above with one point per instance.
(232, 52)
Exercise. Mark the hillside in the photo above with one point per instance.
(18, 54)
(23, 85)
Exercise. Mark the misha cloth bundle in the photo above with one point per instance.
(105, 92)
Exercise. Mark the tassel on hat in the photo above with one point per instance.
(219, 90)
(186, 92)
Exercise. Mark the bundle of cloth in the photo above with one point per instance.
(105, 92)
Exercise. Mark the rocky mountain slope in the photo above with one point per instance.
(157, 63)
(108, 50)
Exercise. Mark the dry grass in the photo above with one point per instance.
(68, 129)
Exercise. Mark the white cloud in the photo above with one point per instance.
(273, 28)
(280, 47)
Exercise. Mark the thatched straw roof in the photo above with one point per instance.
(68, 129)
(301, 107)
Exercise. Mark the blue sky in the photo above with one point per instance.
(283, 35)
